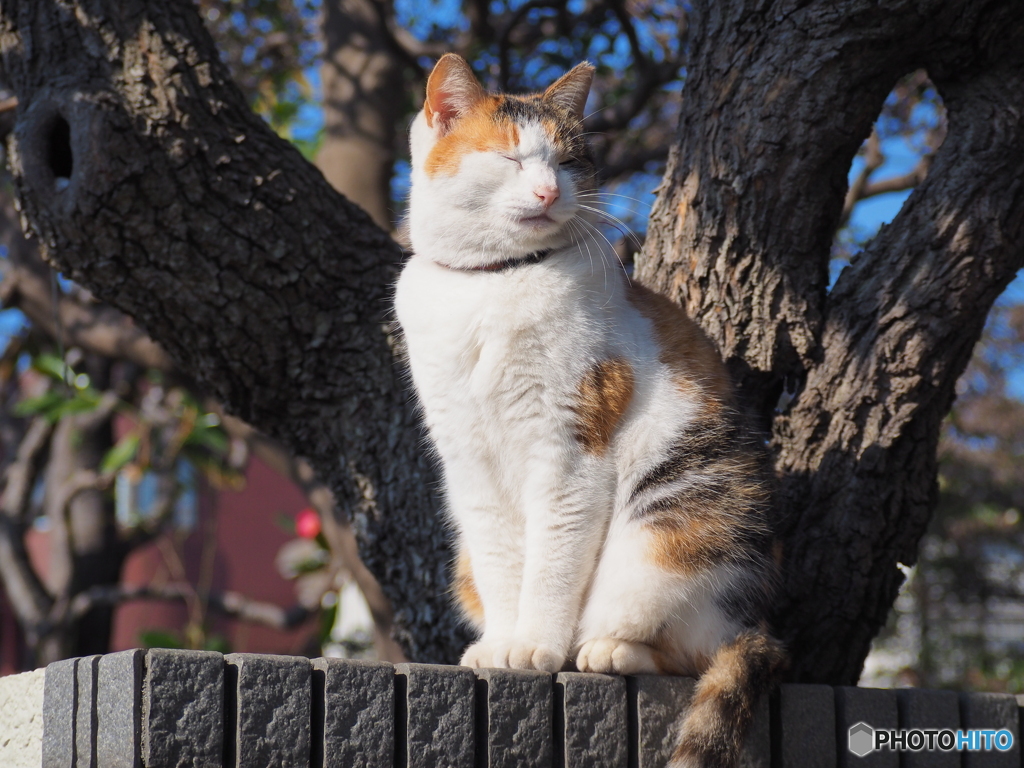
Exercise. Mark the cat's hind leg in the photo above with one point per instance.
(613, 655)
(641, 617)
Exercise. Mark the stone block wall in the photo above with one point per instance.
(21, 719)
(169, 709)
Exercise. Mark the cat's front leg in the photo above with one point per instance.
(495, 563)
(489, 572)
(565, 523)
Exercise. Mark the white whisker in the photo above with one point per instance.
(624, 229)
(611, 247)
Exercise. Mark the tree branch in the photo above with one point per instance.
(21, 473)
(873, 160)
(27, 595)
(899, 183)
(230, 604)
(408, 47)
(860, 443)
(98, 328)
(650, 77)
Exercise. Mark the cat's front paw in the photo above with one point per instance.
(513, 653)
(485, 654)
(527, 655)
(619, 657)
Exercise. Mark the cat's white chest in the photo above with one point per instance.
(450, 320)
(463, 330)
(487, 351)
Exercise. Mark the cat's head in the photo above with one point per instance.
(497, 176)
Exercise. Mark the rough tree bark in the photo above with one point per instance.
(147, 179)
(778, 98)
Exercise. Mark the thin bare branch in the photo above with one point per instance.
(408, 46)
(633, 161)
(862, 187)
(27, 595)
(95, 327)
(873, 160)
(8, 110)
(20, 475)
(230, 604)
(505, 38)
(899, 183)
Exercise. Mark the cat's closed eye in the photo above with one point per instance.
(514, 161)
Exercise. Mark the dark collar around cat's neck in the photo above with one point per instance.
(500, 266)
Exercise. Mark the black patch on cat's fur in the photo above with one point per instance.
(569, 130)
(746, 601)
(698, 447)
(711, 492)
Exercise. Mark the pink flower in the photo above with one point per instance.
(307, 523)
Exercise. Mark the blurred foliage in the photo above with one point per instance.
(269, 46)
(970, 580)
(165, 638)
(167, 424)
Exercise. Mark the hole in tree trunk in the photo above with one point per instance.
(60, 157)
(890, 163)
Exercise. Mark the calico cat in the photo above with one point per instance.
(608, 506)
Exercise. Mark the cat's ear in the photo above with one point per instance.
(452, 92)
(571, 89)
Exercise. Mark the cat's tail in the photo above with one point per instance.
(719, 716)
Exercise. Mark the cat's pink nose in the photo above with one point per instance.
(546, 193)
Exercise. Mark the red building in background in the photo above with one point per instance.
(232, 547)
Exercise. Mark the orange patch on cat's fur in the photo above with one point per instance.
(673, 660)
(465, 591)
(697, 543)
(601, 398)
(684, 347)
(479, 131)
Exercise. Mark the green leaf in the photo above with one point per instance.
(42, 404)
(160, 638)
(52, 366)
(121, 453)
(83, 402)
(217, 643)
(211, 438)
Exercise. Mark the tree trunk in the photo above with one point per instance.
(777, 101)
(363, 100)
(148, 180)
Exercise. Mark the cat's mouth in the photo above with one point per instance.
(537, 221)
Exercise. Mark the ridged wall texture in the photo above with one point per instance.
(166, 708)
